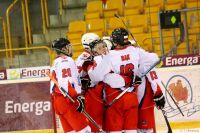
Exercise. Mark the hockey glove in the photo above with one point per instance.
(85, 82)
(128, 81)
(137, 81)
(160, 101)
(88, 62)
(80, 103)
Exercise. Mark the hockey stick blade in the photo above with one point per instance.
(65, 94)
(167, 122)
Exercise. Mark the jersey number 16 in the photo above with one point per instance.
(127, 69)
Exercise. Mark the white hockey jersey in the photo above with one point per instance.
(122, 61)
(154, 81)
(64, 70)
(79, 63)
(109, 78)
(145, 60)
(152, 77)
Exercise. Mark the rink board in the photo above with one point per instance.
(184, 81)
(189, 77)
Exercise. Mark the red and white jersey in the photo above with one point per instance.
(145, 61)
(154, 81)
(109, 78)
(64, 70)
(123, 61)
(152, 77)
(79, 63)
(98, 59)
(112, 79)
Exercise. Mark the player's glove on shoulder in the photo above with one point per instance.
(160, 101)
(80, 103)
(88, 62)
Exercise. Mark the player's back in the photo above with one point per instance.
(62, 65)
(125, 59)
(64, 70)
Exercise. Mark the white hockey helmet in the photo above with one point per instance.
(88, 38)
(107, 41)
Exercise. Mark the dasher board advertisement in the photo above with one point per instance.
(183, 83)
(181, 60)
(29, 72)
(25, 106)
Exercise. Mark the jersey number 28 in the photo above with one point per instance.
(66, 73)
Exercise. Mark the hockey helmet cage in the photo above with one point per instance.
(119, 35)
(60, 43)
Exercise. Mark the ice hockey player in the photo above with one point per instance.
(95, 49)
(93, 92)
(149, 94)
(123, 60)
(65, 72)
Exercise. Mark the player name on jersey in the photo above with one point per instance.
(181, 60)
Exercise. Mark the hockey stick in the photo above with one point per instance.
(65, 94)
(54, 116)
(172, 99)
(167, 122)
(114, 100)
(156, 63)
(117, 16)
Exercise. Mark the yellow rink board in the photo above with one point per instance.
(184, 125)
(181, 125)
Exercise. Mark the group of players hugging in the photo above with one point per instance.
(98, 76)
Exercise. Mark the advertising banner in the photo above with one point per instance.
(29, 72)
(13, 73)
(181, 60)
(25, 106)
(183, 83)
(3, 74)
(34, 72)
